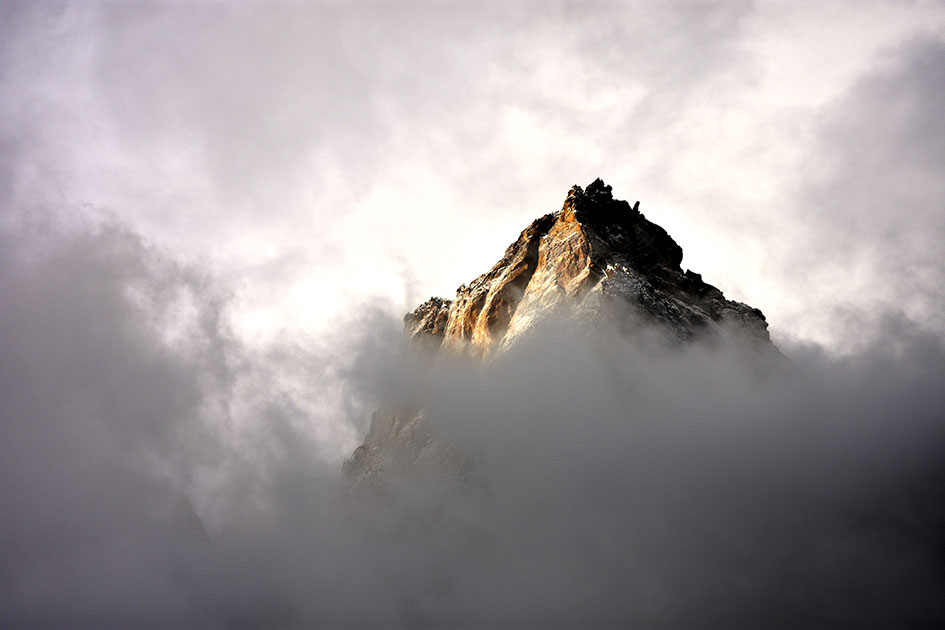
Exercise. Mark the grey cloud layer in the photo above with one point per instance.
(156, 481)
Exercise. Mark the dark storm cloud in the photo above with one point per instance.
(155, 479)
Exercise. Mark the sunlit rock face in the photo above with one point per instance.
(597, 261)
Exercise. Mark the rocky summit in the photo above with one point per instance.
(597, 259)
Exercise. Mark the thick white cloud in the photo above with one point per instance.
(325, 154)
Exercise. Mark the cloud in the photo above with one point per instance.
(680, 489)
(183, 479)
(132, 421)
(304, 148)
(211, 212)
(871, 204)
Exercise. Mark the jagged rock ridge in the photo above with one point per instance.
(595, 258)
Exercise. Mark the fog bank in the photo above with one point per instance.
(154, 471)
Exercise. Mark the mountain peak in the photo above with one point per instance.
(593, 251)
(597, 189)
(624, 227)
(597, 259)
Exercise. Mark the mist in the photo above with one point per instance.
(214, 215)
(159, 480)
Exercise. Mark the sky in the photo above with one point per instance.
(214, 215)
(318, 156)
